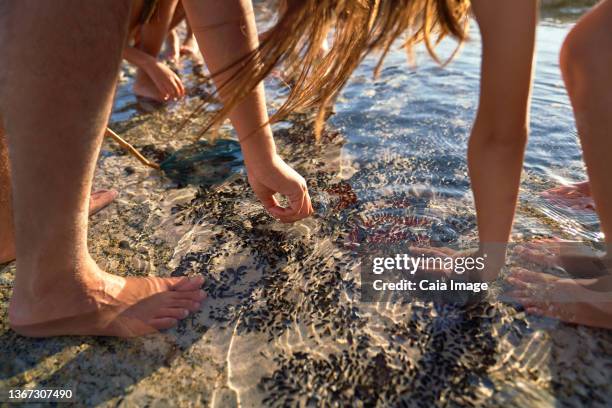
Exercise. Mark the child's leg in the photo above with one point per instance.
(158, 80)
(172, 47)
(586, 63)
(155, 31)
(190, 46)
(173, 41)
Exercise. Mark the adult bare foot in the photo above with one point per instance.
(576, 196)
(99, 200)
(101, 304)
(580, 301)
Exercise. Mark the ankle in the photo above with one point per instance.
(49, 279)
(7, 248)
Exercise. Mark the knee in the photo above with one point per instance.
(583, 62)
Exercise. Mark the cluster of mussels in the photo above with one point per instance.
(412, 353)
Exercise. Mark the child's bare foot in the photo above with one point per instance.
(577, 259)
(576, 196)
(99, 200)
(580, 301)
(101, 304)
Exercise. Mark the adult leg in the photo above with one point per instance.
(55, 115)
(99, 200)
(7, 240)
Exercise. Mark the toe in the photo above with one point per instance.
(173, 312)
(101, 199)
(188, 284)
(526, 275)
(517, 283)
(193, 296)
(186, 304)
(163, 323)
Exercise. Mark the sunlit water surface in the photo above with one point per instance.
(284, 323)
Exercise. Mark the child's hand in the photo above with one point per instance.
(268, 177)
(167, 82)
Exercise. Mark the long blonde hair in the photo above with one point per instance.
(359, 28)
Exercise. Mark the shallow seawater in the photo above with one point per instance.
(284, 324)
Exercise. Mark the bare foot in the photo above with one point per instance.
(99, 200)
(575, 258)
(580, 301)
(576, 196)
(101, 304)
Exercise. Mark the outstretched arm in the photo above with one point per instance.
(497, 144)
(226, 32)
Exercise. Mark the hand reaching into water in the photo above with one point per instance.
(230, 36)
(268, 177)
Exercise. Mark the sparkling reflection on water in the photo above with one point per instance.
(284, 318)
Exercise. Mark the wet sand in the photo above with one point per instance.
(284, 324)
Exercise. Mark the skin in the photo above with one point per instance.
(154, 79)
(189, 48)
(58, 288)
(576, 196)
(586, 63)
(99, 200)
(7, 235)
(234, 23)
(497, 143)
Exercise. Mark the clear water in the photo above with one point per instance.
(283, 325)
(284, 317)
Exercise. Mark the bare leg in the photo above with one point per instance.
(55, 116)
(586, 63)
(190, 46)
(99, 200)
(497, 143)
(172, 47)
(152, 37)
(7, 240)
(173, 41)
